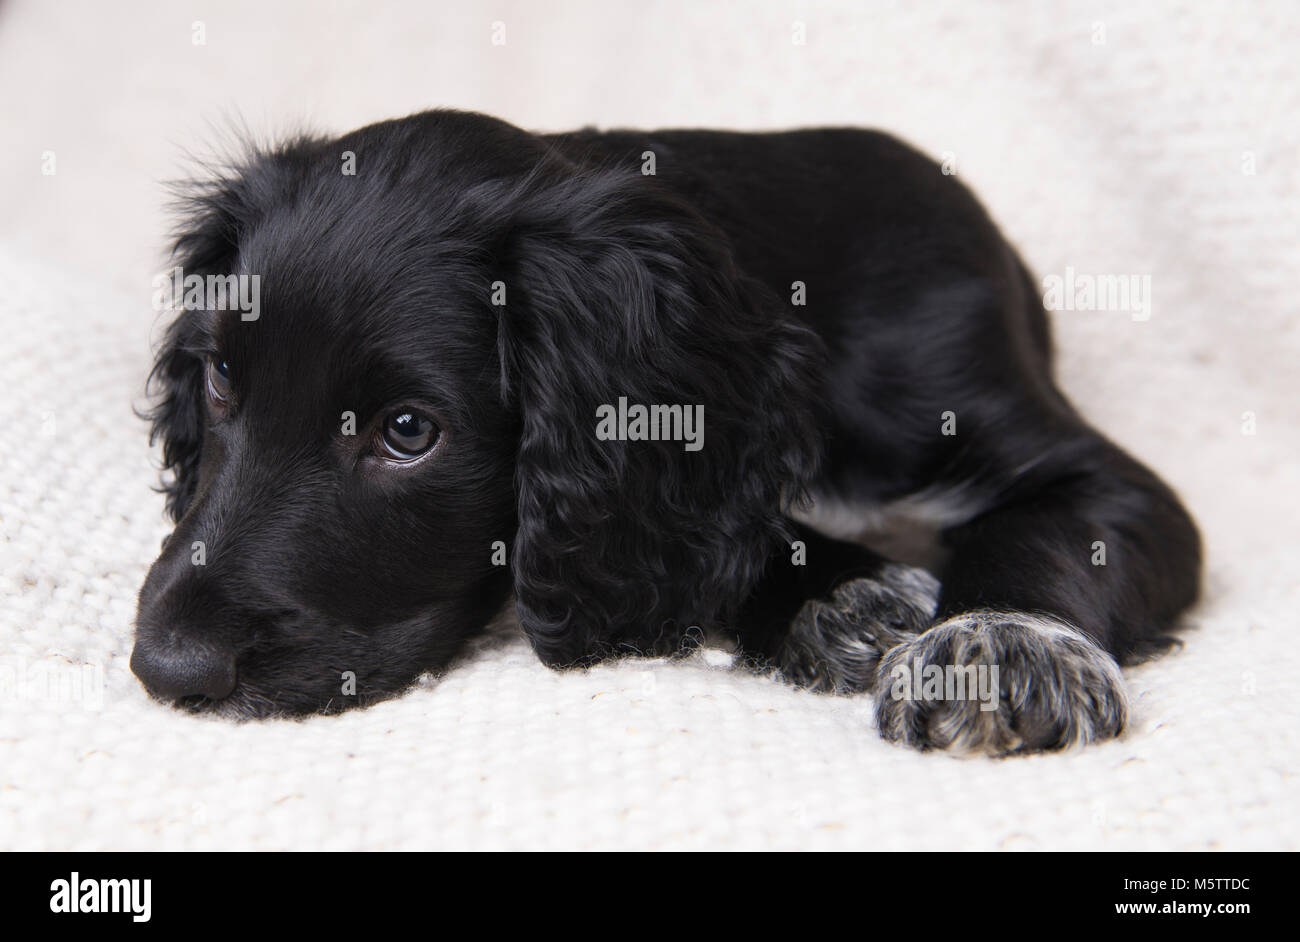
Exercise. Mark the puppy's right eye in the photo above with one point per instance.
(218, 380)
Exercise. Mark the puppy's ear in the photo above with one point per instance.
(176, 416)
(213, 215)
(620, 293)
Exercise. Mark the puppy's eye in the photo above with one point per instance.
(406, 435)
(218, 379)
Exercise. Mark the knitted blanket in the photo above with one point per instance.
(1155, 141)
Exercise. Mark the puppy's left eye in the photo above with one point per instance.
(406, 435)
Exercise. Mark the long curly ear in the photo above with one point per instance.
(213, 214)
(623, 293)
(176, 417)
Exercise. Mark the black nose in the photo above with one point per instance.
(184, 670)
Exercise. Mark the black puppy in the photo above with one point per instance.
(607, 373)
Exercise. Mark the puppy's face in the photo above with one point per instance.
(354, 473)
(403, 430)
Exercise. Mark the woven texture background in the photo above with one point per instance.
(1130, 155)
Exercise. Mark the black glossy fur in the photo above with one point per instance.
(673, 288)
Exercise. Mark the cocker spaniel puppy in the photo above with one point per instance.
(441, 364)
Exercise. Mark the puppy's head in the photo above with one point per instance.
(398, 421)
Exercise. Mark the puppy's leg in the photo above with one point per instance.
(828, 611)
(1073, 572)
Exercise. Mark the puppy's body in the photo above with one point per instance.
(916, 296)
(849, 319)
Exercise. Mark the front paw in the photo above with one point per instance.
(1000, 683)
(835, 644)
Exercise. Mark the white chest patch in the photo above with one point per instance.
(906, 530)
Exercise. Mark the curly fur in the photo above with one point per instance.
(620, 549)
(825, 296)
